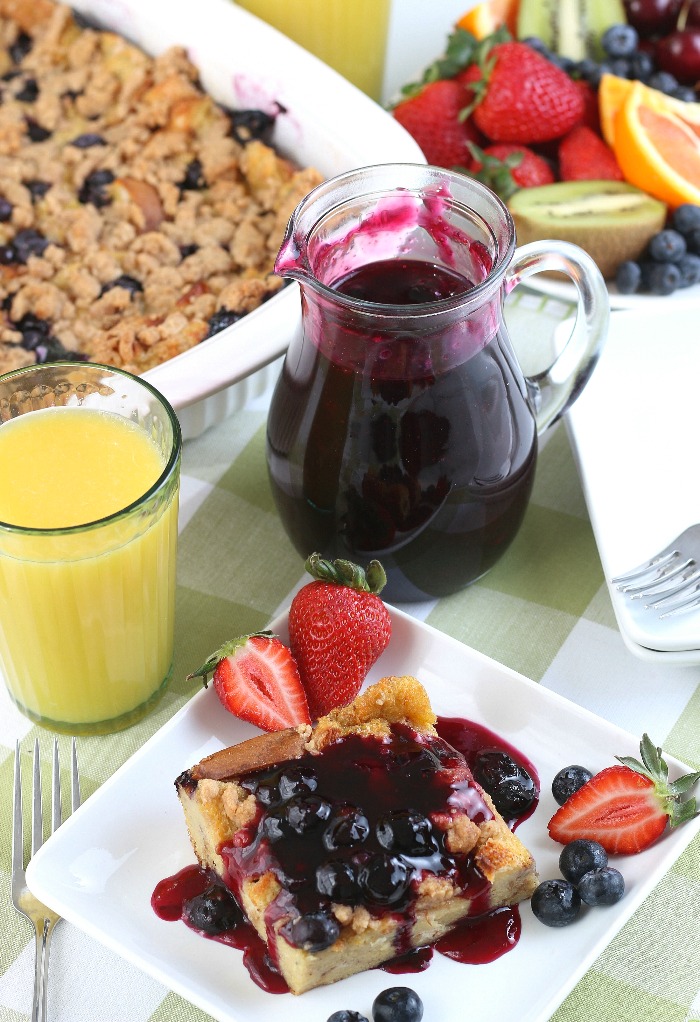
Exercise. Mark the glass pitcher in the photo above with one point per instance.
(402, 427)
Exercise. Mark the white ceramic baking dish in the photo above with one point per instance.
(321, 120)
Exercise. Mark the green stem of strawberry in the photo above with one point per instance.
(371, 579)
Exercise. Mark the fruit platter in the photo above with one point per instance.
(585, 118)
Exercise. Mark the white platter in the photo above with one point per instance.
(684, 297)
(634, 431)
(321, 120)
(99, 870)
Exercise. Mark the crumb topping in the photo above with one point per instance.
(135, 220)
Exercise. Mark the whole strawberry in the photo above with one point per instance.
(505, 168)
(626, 808)
(522, 96)
(585, 156)
(338, 627)
(256, 679)
(432, 116)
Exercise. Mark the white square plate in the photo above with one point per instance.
(634, 430)
(99, 870)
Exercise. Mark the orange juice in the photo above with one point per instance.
(88, 534)
(350, 35)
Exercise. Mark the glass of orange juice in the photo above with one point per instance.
(89, 489)
(350, 35)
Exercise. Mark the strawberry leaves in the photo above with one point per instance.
(461, 51)
(371, 579)
(654, 767)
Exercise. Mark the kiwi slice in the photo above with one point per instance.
(571, 28)
(611, 220)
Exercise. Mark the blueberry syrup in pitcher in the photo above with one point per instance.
(356, 850)
(383, 443)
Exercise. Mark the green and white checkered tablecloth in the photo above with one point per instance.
(544, 611)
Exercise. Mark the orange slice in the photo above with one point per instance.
(486, 17)
(612, 92)
(658, 149)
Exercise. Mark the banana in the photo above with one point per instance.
(571, 28)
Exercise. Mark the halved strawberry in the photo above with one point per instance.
(626, 808)
(256, 678)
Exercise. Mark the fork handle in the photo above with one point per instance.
(44, 929)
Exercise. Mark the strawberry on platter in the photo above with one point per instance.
(256, 679)
(585, 156)
(521, 96)
(506, 167)
(626, 807)
(432, 115)
(338, 628)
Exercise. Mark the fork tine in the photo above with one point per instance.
(656, 563)
(56, 816)
(657, 577)
(74, 776)
(685, 605)
(37, 813)
(681, 595)
(670, 595)
(17, 828)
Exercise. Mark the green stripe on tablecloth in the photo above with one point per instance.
(504, 627)
(237, 551)
(222, 444)
(552, 562)
(174, 1009)
(684, 738)
(600, 998)
(248, 477)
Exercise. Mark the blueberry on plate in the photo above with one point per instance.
(667, 246)
(510, 786)
(304, 812)
(385, 879)
(620, 40)
(686, 218)
(348, 826)
(397, 1004)
(346, 1015)
(628, 277)
(556, 903)
(581, 856)
(213, 911)
(569, 780)
(604, 886)
(313, 932)
(663, 278)
(689, 265)
(336, 880)
(406, 831)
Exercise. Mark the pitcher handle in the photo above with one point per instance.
(555, 388)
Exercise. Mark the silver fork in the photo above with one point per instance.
(41, 917)
(670, 580)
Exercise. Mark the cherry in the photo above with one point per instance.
(693, 17)
(653, 17)
(679, 53)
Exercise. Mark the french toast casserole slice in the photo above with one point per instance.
(352, 842)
